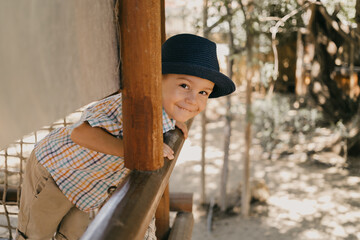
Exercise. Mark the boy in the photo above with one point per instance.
(70, 171)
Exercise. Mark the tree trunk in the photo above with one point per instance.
(225, 168)
(335, 103)
(357, 14)
(203, 117)
(245, 194)
(300, 86)
(331, 96)
(228, 117)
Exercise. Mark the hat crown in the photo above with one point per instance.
(195, 56)
(190, 49)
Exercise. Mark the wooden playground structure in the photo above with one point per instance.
(79, 55)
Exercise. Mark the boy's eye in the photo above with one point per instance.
(204, 93)
(184, 86)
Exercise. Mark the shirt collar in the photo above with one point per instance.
(168, 123)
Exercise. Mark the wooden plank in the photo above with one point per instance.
(142, 105)
(56, 56)
(129, 211)
(162, 216)
(181, 202)
(182, 228)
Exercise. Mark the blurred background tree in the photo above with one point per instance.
(270, 64)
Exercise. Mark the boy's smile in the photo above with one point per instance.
(185, 96)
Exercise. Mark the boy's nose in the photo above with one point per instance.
(191, 98)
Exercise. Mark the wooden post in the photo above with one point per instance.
(162, 214)
(163, 26)
(142, 105)
(183, 225)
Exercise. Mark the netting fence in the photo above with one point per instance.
(12, 164)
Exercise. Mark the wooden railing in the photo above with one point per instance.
(127, 214)
(129, 211)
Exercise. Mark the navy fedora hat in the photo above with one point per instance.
(196, 56)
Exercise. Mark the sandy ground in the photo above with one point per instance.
(308, 199)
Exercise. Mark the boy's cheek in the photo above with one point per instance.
(203, 106)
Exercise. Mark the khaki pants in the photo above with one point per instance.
(44, 209)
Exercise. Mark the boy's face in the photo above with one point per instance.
(184, 96)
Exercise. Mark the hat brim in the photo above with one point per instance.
(223, 85)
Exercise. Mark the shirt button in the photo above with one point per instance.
(111, 190)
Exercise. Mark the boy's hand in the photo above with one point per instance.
(168, 152)
(182, 126)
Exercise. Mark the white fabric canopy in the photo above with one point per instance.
(55, 56)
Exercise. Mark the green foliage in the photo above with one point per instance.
(264, 14)
(272, 11)
(345, 9)
(278, 121)
(253, 20)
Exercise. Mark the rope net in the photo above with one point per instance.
(12, 165)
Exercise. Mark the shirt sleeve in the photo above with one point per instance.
(106, 114)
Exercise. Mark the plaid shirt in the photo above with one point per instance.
(84, 175)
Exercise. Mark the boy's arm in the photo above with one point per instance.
(97, 139)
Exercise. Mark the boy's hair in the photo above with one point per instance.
(196, 56)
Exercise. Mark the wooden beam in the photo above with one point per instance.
(162, 216)
(141, 68)
(129, 211)
(182, 228)
(181, 202)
